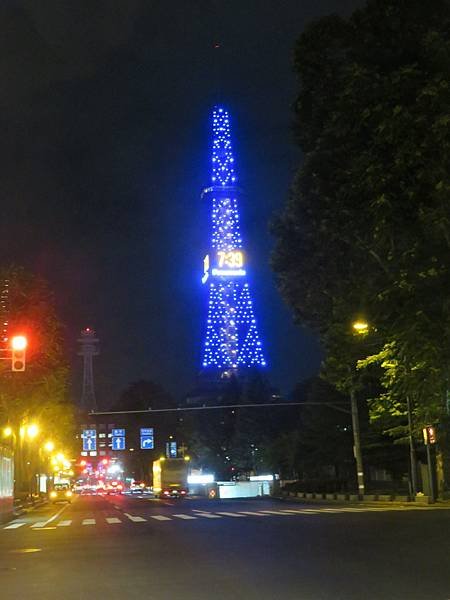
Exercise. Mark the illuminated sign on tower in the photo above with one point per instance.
(232, 341)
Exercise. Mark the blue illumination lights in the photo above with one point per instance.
(232, 340)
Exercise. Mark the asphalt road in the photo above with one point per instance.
(128, 548)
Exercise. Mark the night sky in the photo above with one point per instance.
(104, 109)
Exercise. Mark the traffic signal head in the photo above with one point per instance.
(18, 349)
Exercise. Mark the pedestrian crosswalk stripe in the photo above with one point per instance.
(277, 512)
(186, 517)
(113, 520)
(253, 514)
(134, 518)
(230, 514)
(161, 518)
(38, 525)
(65, 523)
(14, 525)
(208, 515)
(88, 522)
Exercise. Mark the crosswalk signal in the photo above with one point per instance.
(18, 347)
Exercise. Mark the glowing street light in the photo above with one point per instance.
(360, 327)
(7, 431)
(49, 446)
(32, 431)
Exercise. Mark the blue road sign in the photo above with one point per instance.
(118, 443)
(172, 450)
(89, 440)
(118, 433)
(147, 439)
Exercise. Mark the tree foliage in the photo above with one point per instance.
(367, 226)
(40, 393)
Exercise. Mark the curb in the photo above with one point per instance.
(354, 498)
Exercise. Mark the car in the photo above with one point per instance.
(61, 493)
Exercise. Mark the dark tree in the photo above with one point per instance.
(367, 226)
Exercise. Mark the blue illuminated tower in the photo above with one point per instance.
(232, 343)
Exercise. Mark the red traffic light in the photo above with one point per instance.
(18, 346)
(19, 342)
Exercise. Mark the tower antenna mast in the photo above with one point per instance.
(88, 342)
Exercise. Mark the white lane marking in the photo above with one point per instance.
(134, 518)
(208, 515)
(65, 523)
(230, 514)
(113, 520)
(253, 514)
(88, 522)
(200, 511)
(38, 525)
(14, 525)
(56, 515)
(160, 518)
(181, 516)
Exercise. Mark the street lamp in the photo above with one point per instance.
(7, 431)
(360, 327)
(32, 431)
(49, 446)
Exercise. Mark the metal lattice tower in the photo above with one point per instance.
(4, 312)
(232, 342)
(88, 350)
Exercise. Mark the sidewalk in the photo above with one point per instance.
(354, 498)
(21, 507)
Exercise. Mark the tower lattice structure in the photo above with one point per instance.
(232, 343)
(88, 342)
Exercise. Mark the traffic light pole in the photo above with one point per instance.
(357, 443)
(430, 474)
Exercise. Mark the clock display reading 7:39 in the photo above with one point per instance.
(234, 259)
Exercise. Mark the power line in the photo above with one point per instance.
(220, 406)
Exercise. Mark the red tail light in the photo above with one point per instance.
(183, 492)
(166, 492)
(120, 487)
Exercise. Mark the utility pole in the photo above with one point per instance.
(412, 451)
(357, 442)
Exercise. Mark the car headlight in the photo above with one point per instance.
(68, 494)
(53, 494)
